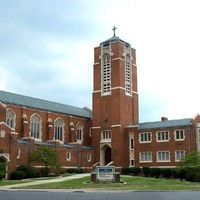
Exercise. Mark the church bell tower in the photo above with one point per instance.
(115, 100)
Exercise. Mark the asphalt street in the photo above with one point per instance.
(79, 195)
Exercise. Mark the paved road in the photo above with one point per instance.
(21, 195)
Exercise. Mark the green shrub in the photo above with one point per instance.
(135, 171)
(43, 172)
(79, 170)
(146, 171)
(125, 170)
(166, 173)
(155, 172)
(75, 170)
(29, 171)
(71, 170)
(181, 173)
(192, 174)
(187, 173)
(175, 173)
(17, 175)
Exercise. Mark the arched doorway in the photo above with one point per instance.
(3, 168)
(108, 155)
(105, 154)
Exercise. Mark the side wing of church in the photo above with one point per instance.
(109, 134)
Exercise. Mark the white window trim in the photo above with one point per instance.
(175, 134)
(145, 161)
(106, 74)
(89, 157)
(63, 131)
(177, 160)
(82, 133)
(108, 135)
(128, 68)
(14, 122)
(130, 164)
(40, 132)
(163, 161)
(90, 132)
(68, 156)
(131, 139)
(145, 141)
(18, 153)
(162, 140)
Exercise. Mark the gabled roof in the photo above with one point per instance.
(30, 102)
(166, 124)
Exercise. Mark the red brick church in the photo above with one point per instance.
(110, 133)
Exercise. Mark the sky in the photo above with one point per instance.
(46, 50)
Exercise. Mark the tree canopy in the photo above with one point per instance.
(47, 157)
(191, 160)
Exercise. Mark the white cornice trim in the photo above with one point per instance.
(167, 166)
(115, 88)
(3, 105)
(4, 123)
(14, 133)
(118, 87)
(116, 125)
(118, 59)
(96, 91)
(96, 127)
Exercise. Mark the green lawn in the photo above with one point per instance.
(131, 183)
(11, 182)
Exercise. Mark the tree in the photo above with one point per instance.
(47, 157)
(190, 165)
(191, 160)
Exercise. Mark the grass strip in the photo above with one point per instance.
(129, 183)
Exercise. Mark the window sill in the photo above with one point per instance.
(179, 140)
(162, 140)
(105, 140)
(146, 161)
(146, 142)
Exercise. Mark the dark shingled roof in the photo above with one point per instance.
(63, 145)
(166, 124)
(30, 102)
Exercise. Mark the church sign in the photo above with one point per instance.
(105, 173)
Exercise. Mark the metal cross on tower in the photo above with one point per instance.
(114, 29)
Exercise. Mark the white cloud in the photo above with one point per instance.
(56, 42)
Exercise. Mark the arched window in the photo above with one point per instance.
(106, 74)
(35, 126)
(79, 133)
(128, 74)
(10, 118)
(59, 129)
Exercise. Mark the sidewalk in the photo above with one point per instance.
(38, 182)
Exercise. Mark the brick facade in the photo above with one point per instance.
(112, 135)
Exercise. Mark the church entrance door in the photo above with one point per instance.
(108, 154)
